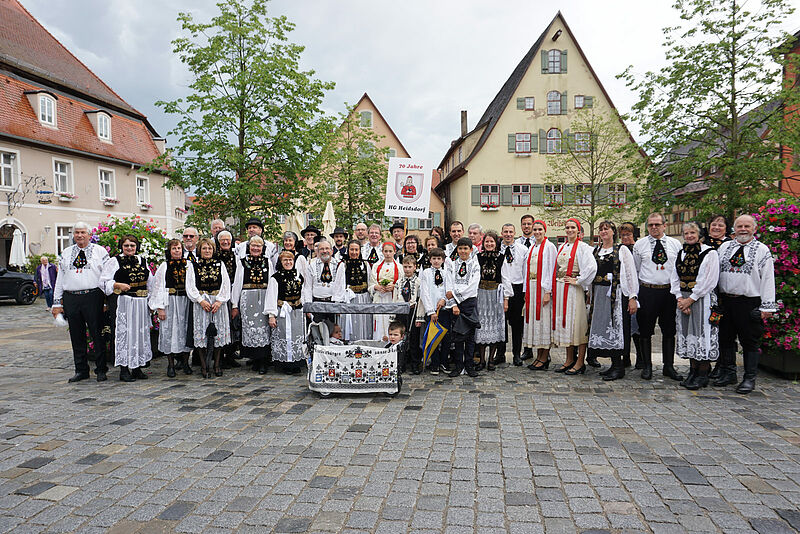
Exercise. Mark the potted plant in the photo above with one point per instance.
(67, 197)
(108, 201)
(145, 206)
(779, 228)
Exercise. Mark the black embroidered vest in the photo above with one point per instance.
(356, 274)
(491, 266)
(134, 272)
(228, 258)
(208, 274)
(290, 285)
(608, 263)
(687, 265)
(256, 272)
(176, 275)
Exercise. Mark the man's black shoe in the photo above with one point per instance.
(101, 376)
(78, 377)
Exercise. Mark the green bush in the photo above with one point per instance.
(35, 259)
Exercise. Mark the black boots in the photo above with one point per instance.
(171, 366)
(125, 375)
(727, 359)
(750, 369)
(700, 378)
(668, 349)
(646, 356)
(187, 369)
(527, 354)
(636, 342)
(492, 353)
(517, 360)
(717, 372)
(617, 369)
(591, 361)
(138, 374)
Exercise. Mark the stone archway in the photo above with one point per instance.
(7, 227)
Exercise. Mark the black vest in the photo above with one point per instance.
(256, 271)
(176, 275)
(290, 284)
(208, 274)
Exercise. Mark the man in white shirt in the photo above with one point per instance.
(747, 294)
(462, 277)
(360, 233)
(526, 225)
(456, 233)
(371, 251)
(190, 238)
(321, 277)
(79, 296)
(654, 256)
(515, 256)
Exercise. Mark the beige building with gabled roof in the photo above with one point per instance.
(495, 172)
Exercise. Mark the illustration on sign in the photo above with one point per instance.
(408, 189)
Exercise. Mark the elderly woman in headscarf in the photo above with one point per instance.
(248, 297)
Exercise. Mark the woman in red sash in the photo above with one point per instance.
(537, 285)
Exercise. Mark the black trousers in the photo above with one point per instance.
(465, 342)
(514, 319)
(656, 305)
(626, 327)
(84, 311)
(740, 319)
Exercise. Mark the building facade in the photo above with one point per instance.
(495, 173)
(71, 149)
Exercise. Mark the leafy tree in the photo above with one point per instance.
(250, 129)
(351, 174)
(714, 117)
(595, 158)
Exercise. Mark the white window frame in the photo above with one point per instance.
(145, 198)
(553, 194)
(617, 194)
(583, 142)
(490, 195)
(553, 103)
(425, 224)
(554, 141)
(521, 195)
(522, 143)
(47, 110)
(104, 127)
(70, 184)
(529, 103)
(62, 241)
(12, 167)
(364, 113)
(112, 186)
(554, 61)
(580, 101)
(583, 194)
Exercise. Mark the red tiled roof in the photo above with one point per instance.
(26, 45)
(131, 141)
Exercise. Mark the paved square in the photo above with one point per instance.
(510, 451)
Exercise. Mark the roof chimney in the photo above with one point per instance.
(463, 122)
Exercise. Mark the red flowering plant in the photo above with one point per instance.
(779, 228)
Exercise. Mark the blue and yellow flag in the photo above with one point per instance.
(434, 333)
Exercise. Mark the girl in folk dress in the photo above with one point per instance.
(616, 276)
(352, 279)
(494, 290)
(286, 294)
(383, 277)
(249, 296)
(169, 300)
(538, 285)
(127, 276)
(209, 287)
(574, 272)
(693, 282)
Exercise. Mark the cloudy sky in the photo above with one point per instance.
(421, 61)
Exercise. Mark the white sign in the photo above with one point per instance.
(408, 189)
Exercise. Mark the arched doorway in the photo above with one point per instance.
(6, 239)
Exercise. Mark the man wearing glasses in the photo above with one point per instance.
(654, 256)
(190, 239)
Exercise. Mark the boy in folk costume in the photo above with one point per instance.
(407, 290)
(462, 278)
(437, 307)
(538, 284)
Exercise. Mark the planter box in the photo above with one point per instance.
(65, 199)
(784, 363)
(144, 208)
(110, 202)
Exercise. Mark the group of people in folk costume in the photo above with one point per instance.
(214, 297)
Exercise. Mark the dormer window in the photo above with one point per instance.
(103, 127)
(101, 122)
(47, 110)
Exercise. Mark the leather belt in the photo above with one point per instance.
(654, 286)
(488, 285)
(254, 286)
(134, 293)
(82, 291)
(178, 292)
(688, 285)
(295, 304)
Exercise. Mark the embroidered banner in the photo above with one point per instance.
(353, 369)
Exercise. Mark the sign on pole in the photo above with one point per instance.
(408, 189)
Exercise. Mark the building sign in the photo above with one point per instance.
(408, 189)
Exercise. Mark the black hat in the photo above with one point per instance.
(252, 221)
(339, 230)
(308, 229)
(397, 224)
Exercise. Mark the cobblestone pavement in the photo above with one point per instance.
(510, 451)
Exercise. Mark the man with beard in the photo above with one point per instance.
(747, 293)
(321, 277)
(456, 233)
(526, 225)
(339, 236)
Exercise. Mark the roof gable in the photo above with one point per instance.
(366, 100)
(27, 46)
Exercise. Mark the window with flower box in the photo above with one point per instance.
(553, 195)
(523, 143)
(62, 176)
(490, 196)
(617, 194)
(521, 195)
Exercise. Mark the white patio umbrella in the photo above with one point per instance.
(295, 223)
(328, 220)
(17, 257)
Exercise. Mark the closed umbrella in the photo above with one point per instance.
(328, 220)
(17, 257)
(295, 223)
(211, 333)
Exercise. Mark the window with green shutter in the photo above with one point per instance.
(505, 195)
(521, 195)
(476, 195)
(512, 142)
(542, 142)
(544, 62)
(564, 103)
(536, 194)
(554, 61)
(554, 103)
(563, 65)
(521, 103)
(588, 101)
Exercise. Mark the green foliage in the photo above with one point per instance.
(604, 159)
(713, 116)
(250, 128)
(35, 259)
(152, 239)
(351, 174)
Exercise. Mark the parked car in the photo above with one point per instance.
(17, 286)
